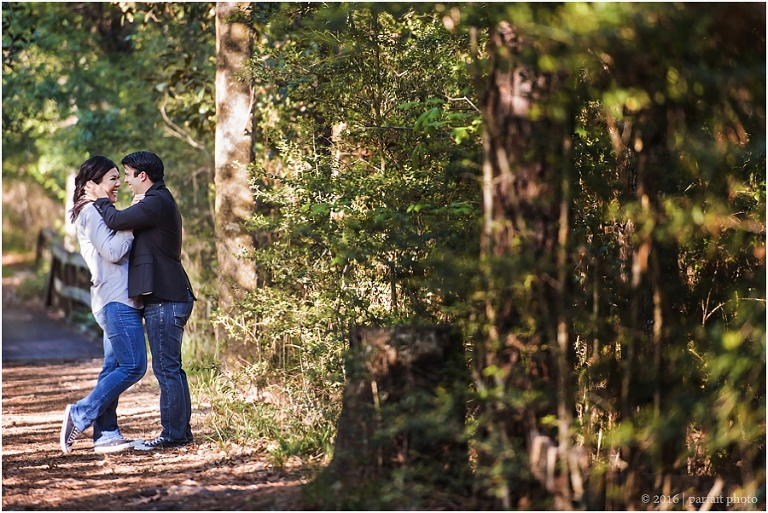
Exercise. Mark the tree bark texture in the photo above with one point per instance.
(526, 183)
(235, 202)
(403, 407)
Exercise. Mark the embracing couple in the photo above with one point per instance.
(134, 256)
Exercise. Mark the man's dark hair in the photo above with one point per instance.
(145, 161)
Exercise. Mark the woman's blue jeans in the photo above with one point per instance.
(165, 328)
(125, 362)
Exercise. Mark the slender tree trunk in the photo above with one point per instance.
(235, 203)
(656, 321)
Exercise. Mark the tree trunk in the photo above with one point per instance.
(234, 203)
(526, 181)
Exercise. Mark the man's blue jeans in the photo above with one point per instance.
(165, 328)
(125, 362)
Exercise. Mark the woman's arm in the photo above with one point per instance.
(111, 245)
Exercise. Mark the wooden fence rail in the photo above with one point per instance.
(69, 280)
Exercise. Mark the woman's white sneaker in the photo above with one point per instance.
(112, 445)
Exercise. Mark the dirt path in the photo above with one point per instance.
(38, 476)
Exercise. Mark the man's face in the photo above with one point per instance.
(137, 185)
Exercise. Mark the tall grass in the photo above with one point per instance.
(257, 407)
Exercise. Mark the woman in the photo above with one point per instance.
(125, 352)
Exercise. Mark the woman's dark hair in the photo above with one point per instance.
(92, 169)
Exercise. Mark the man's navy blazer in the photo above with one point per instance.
(155, 260)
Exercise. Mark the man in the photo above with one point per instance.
(156, 274)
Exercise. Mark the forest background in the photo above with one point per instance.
(577, 189)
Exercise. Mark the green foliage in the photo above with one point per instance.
(83, 320)
(370, 140)
(665, 163)
(382, 190)
(58, 105)
(251, 407)
(367, 178)
(368, 195)
(33, 286)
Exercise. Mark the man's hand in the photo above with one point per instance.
(94, 191)
(137, 198)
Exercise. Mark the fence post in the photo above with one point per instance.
(63, 286)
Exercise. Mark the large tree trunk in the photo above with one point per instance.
(526, 181)
(235, 203)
